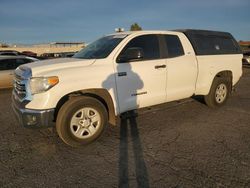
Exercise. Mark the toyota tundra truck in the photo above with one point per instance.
(124, 71)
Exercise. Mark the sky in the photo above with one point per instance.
(43, 21)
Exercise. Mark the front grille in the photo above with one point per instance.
(19, 86)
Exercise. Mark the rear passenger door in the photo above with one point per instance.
(181, 68)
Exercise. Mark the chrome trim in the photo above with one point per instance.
(21, 83)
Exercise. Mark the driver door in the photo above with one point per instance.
(141, 82)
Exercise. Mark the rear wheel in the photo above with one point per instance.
(81, 120)
(219, 92)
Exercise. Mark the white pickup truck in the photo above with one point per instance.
(122, 72)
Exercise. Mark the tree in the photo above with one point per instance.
(135, 27)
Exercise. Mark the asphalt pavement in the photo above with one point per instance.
(180, 144)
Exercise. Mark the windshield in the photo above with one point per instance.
(100, 48)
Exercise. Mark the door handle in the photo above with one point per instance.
(160, 66)
(122, 73)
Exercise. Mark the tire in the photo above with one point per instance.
(219, 92)
(81, 120)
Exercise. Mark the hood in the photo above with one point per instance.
(56, 64)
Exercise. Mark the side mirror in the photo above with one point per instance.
(131, 54)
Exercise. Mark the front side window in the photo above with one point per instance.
(148, 43)
(174, 46)
(100, 48)
(21, 61)
(7, 64)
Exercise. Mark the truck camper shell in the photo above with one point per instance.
(207, 42)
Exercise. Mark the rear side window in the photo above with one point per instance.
(3, 65)
(149, 45)
(174, 46)
(8, 64)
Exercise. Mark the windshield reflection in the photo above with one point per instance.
(101, 48)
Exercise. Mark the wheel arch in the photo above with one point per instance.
(222, 74)
(204, 87)
(101, 95)
(214, 99)
(225, 74)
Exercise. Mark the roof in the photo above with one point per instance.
(203, 32)
(15, 57)
(185, 31)
(144, 32)
(9, 51)
(70, 43)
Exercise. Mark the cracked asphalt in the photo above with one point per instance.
(179, 144)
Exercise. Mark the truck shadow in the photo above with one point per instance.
(129, 130)
(126, 84)
(199, 98)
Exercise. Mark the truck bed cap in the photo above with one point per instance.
(207, 42)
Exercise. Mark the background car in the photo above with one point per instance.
(29, 53)
(7, 66)
(246, 58)
(9, 53)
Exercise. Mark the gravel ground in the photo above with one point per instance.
(180, 144)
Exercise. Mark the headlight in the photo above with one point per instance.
(42, 84)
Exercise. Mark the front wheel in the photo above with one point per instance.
(81, 120)
(219, 92)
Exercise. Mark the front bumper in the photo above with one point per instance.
(32, 118)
